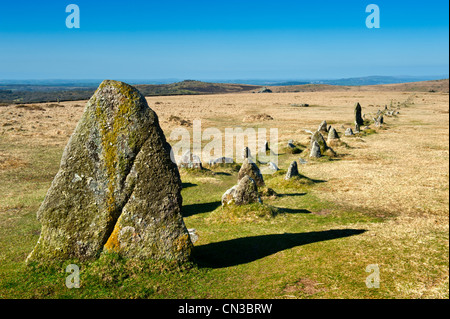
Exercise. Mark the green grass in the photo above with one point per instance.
(255, 251)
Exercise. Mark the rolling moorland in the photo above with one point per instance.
(62, 91)
(383, 199)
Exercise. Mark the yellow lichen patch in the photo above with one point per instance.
(182, 242)
(113, 244)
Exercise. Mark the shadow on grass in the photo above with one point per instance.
(222, 173)
(247, 249)
(187, 185)
(292, 194)
(293, 210)
(189, 210)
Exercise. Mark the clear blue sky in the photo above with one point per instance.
(222, 39)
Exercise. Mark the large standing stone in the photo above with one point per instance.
(117, 187)
(358, 111)
(292, 171)
(251, 169)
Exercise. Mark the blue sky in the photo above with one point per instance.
(217, 39)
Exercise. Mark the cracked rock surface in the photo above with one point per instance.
(117, 188)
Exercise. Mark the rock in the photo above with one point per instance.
(302, 161)
(245, 192)
(380, 119)
(246, 153)
(190, 160)
(357, 128)
(265, 90)
(318, 137)
(332, 135)
(349, 132)
(117, 188)
(273, 167)
(251, 169)
(228, 196)
(292, 171)
(324, 148)
(358, 111)
(266, 147)
(221, 160)
(193, 235)
(315, 150)
(323, 127)
(290, 144)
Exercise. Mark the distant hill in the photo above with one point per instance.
(423, 86)
(34, 93)
(375, 80)
(193, 87)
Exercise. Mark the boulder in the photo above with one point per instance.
(190, 160)
(332, 135)
(318, 138)
(221, 160)
(349, 132)
(245, 192)
(315, 150)
(324, 148)
(251, 169)
(273, 167)
(292, 171)
(117, 188)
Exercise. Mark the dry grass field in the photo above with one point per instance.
(393, 184)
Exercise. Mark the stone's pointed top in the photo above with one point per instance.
(246, 153)
(251, 169)
(292, 171)
(349, 132)
(332, 134)
(272, 166)
(323, 127)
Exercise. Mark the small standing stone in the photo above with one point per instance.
(292, 171)
(323, 127)
(349, 132)
(245, 192)
(251, 169)
(315, 150)
(190, 160)
(246, 153)
(332, 135)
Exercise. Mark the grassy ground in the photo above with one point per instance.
(314, 240)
